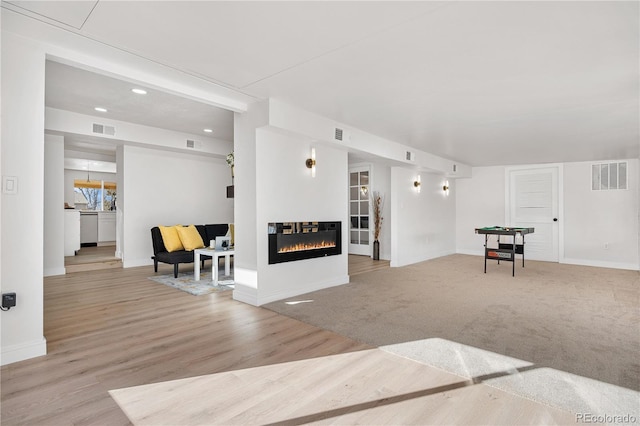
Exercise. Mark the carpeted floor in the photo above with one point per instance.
(580, 320)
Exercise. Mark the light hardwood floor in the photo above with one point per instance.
(362, 264)
(116, 329)
(92, 259)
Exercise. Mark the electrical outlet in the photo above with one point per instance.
(8, 300)
(606, 246)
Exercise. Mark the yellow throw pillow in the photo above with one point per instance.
(190, 237)
(171, 238)
(232, 233)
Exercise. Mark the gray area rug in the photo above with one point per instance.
(186, 283)
(577, 325)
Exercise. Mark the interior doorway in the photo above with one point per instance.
(533, 201)
(359, 210)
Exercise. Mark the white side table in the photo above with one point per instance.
(215, 255)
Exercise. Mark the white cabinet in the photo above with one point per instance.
(106, 226)
(71, 232)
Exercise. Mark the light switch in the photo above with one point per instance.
(10, 184)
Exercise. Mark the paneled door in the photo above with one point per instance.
(359, 233)
(532, 196)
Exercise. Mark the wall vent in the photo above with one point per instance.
(605, 176)
(104, 130)
(338, 134)
(410, 156)
(191, 144)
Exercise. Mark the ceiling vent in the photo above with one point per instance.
(191, 144)
(338, 134)
(410, 156)
(104, 130)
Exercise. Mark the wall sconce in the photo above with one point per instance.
(311, 162)
(417, 183)
(364, 190)
(445, 187)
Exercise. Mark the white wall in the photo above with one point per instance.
(595, 218)
(480, 201)
(590, 218)
(381, 182)
(286, 192)
(423, 224)
(22, 213)
(53, 205)
(168, 188)
(71, 175)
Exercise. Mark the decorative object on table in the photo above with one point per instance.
(186, 283)
(377, 200)
(231, 163)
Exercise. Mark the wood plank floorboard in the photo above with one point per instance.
(116, 329)
(361, 264)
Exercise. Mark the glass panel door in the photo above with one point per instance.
(359, 233)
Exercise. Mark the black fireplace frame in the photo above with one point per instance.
(289, 230)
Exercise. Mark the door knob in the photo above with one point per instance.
(555, 219)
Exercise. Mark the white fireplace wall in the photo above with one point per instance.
(286, 192)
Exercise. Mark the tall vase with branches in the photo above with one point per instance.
(377, 201)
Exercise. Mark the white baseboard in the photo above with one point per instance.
(602, 264)
(245, 294)
(51, 272)
(136, 262)
(264, 299)
(418, 259)
(252, 296)
(471, 252)
(581, 262)
(22, 351)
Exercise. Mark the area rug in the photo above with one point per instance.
(186, 283)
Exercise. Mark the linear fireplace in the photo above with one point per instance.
(290, 241)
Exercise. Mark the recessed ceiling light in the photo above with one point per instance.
(208, 130)
(139, 91)
(100, 109)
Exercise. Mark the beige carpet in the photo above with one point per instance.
(580, 320)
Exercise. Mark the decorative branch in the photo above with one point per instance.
(377, 201)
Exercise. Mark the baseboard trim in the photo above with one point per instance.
(601, 264)
(245, 294)
(414, 260)
(471, 252)
(23, 351)
(52, 272)
(262, 300)
(137, 262)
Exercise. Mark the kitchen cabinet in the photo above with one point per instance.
(106, 226)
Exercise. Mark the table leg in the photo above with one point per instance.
(485, 253)
(513, 257)
(196, 266)
(214, 269)
(523, 251)
(227, 261)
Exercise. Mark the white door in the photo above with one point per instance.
(359, 233)
(532, 197)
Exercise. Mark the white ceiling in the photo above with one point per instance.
(479, 82)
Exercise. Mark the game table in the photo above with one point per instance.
(506, 251)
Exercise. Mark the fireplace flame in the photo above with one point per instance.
(307, 246)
